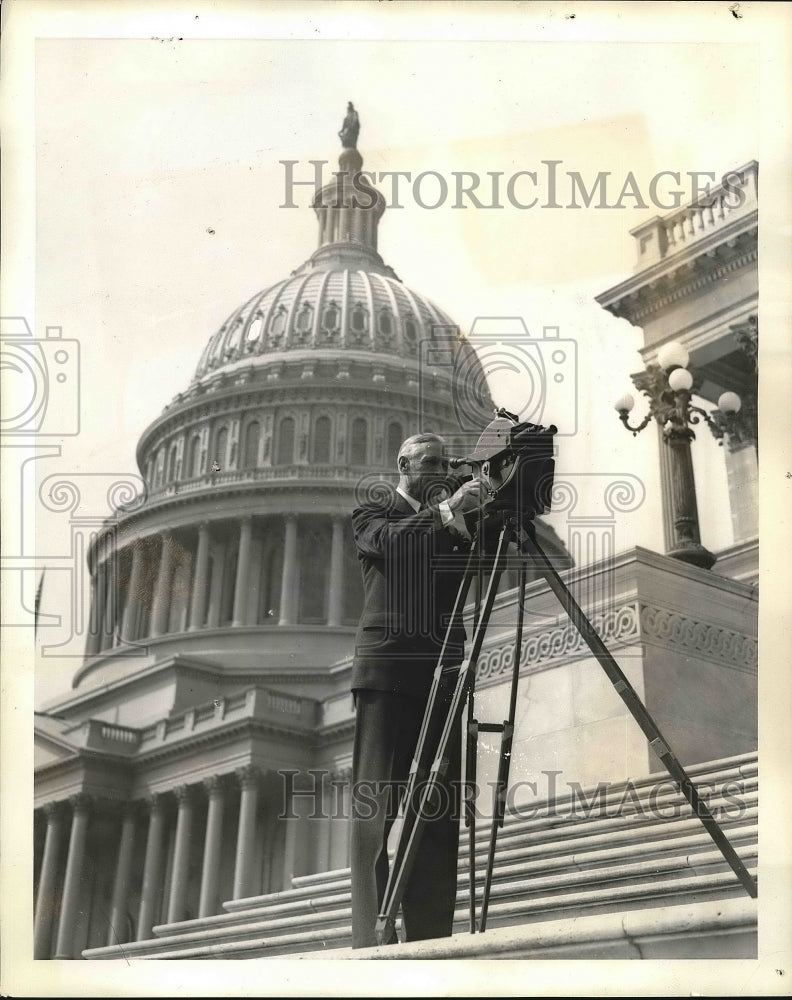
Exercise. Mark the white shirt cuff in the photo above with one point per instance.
(451, 519)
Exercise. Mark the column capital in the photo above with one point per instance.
(54, 810)
(248, 776)
(215, 785)
(154, 801)
(183, 794)
(80, 802)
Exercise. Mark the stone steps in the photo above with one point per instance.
(547, 867)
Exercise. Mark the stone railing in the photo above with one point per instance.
(663, 236)
(253, 703)
(348, 475)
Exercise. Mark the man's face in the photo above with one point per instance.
(426, 469)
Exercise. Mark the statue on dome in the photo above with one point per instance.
(350, 129)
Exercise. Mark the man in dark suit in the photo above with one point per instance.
(411, 548)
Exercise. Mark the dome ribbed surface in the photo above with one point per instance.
(333, 309)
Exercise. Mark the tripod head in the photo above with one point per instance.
(515, 461)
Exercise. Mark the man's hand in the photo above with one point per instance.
(470, 496)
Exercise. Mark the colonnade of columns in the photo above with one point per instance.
(155, 878)
(218, 573)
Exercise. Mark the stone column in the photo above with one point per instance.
(161, 607)
(335, 595)
(216, 586)
(72, 882)
(181, 855)
(48, 880)
(246, 834)
(289, 580)
(323, 839)
(111, 599)
(118, 913)
(93, 640)
(200, 589)
(152, 868)
(210, 873)
(132, 608)
(242, 583)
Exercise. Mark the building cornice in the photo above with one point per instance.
(681, 275)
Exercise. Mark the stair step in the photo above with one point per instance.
(547, 867)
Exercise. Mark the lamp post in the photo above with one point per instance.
(669, 387)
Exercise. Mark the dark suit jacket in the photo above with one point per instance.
(412, 566)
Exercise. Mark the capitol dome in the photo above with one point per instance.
(296, 410)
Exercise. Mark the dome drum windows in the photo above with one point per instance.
(322, 440)
(250, 455)
(358, 441)
(284, 454)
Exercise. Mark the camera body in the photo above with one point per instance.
(516, 462)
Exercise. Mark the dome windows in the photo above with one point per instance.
(254, 331)
(358, 324)
(331, 317)
(385, 328)
(277, 327)
(410, 330)
(303, 323)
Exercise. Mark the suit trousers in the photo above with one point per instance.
(387, 726)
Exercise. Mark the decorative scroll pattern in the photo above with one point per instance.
(702, 638)
(542, 645)
(623, 625)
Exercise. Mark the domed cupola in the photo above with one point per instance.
(298, 405)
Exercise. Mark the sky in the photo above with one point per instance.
(145, 191)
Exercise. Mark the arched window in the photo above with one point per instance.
(172, 463)
(285, 453)
(194, 456)
(321, 449)
(358, 446)
(395, 438)
(221, 447)
(252, 437)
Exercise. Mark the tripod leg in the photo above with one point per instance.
(414, 816)
(499, 805)
(470, 805)
(640, 714)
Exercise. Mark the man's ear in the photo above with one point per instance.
(404, 463)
